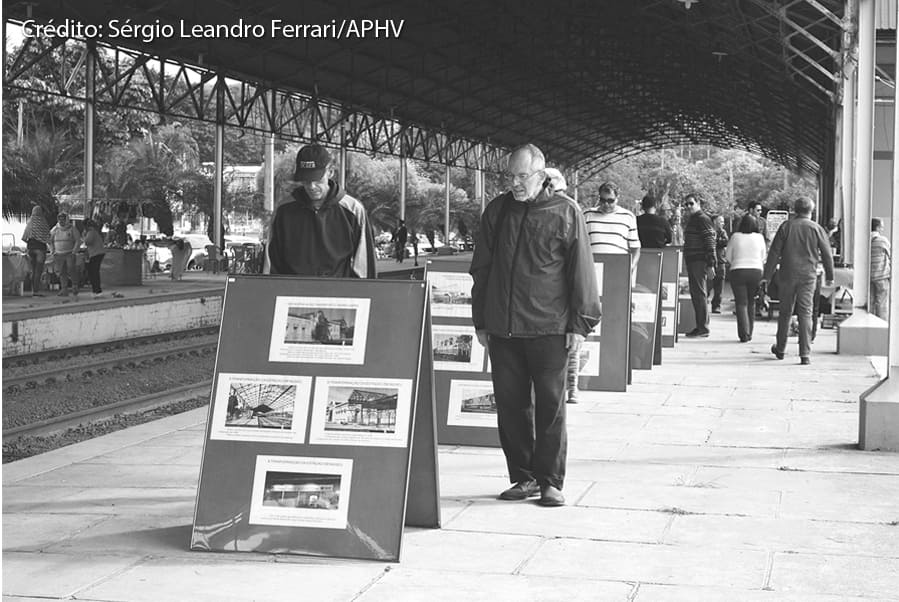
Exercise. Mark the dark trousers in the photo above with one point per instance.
(745, 285)
(699, 293)
(717, 286)
(37, 258)
(531, 430)
(796, 296)
(93, 272)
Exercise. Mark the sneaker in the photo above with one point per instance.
(716, 310)
(696, 333)
(98, 295)
(778, 354)
(550, 496)
(520, 491)
(805, 361)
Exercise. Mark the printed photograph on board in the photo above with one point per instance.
(643, 306)
(450, 294)
(323, 330)
(456, 348)
(301, 492)
(669, 294)
(471, 403)
(598, 268)
(361, 411)
(261, 407)
(589, 359)
(669, 325)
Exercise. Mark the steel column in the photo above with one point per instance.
(864, 154)
(89, 116)
(218, 178)
(446, 215)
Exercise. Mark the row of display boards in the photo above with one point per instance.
(331, 396)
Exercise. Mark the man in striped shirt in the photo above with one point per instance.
(613, 229)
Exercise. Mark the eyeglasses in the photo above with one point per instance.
(605, 200)
(689, 204)
(519, 177)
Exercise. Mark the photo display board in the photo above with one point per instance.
(309, 441)
(645, 309)
(671, 260)
(604, 355)
(463, 388)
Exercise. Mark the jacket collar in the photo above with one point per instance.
(334, 195)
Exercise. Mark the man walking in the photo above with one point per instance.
(653, 229)
(701, 261)
(799, 245)
(534, 297)
(64, 242)
(613, 229)
(323, 231)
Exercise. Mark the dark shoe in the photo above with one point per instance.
(697, 333)
(550, 496)
(744, 339)
(778, 354)
(572, 399)
(716, 310)
(520, 491)
(805, 361)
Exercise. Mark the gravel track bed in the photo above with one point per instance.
(49, 400)
(25, 447)
(85, 360)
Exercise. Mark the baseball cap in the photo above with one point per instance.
(312, 161)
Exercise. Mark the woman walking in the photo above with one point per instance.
(96, 250)
(37, 237)
(746, 254)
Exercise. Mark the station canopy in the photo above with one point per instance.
(588, 81)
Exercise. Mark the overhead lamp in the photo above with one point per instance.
(688, 3)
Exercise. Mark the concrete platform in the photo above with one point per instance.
(722, 474)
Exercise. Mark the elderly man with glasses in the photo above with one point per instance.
(701, 260)
(534, 297)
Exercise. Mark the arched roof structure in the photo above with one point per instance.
(588, 81)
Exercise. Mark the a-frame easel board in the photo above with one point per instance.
(604, 355)
(463, 387)
(645, 309)
(671, 260)
(310, 431)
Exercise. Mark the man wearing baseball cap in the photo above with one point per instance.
(323, 231)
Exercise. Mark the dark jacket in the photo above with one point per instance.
(334, 240)
(533, 270)
(699, 239)
(654, 231)
(798, 246)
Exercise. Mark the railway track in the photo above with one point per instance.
(133, 405)
(36, 378)
(17, 361)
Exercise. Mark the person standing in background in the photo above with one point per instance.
(37, 239)
(64, 241)
(721, 267)
(653, 229)
(701, 260)
(96, 250)
(881, 270)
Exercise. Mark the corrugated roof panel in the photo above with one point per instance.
(887, 12)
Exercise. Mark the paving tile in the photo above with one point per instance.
(786, 535)
(634, 472)
(86, 474)
(410, 585)
(704, 455)
(670, 499)
(841, 505)
(56, 575)
(452, 550)
(633, 562)
(133, 501)
(528, 518)
(150, 455)
(237, 578)
(843, 460)
(592, 449)
(25, 498)
(131, 536)
(36, 531)
(670, 593)
(835, 575)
